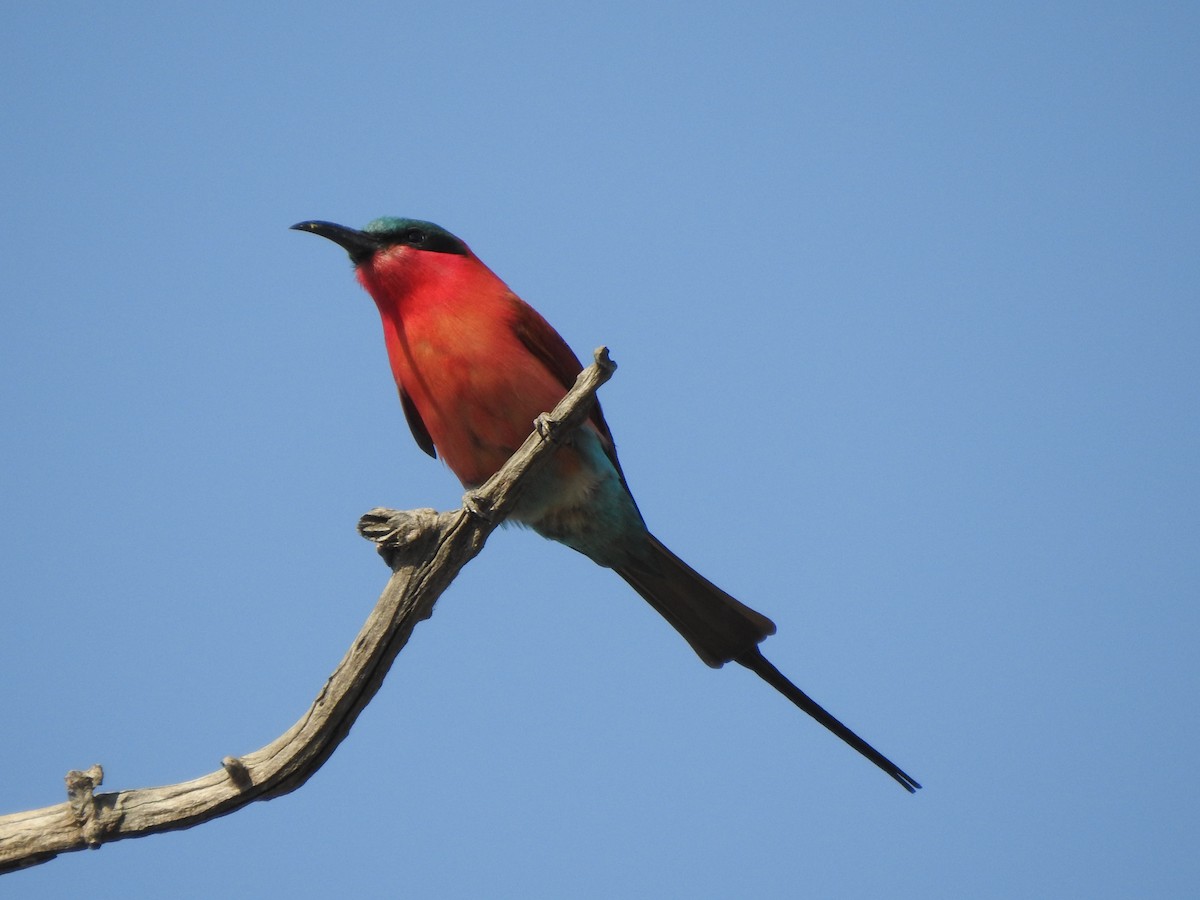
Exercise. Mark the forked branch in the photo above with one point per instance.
(425, 550)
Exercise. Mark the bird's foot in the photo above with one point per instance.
(549, 430)
(477, 505)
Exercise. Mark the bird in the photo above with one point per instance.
(475, 365)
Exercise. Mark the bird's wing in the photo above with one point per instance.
(547, 345)
(419, 432)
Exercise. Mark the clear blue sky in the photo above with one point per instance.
(906, 302)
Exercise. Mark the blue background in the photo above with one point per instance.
(905, 301)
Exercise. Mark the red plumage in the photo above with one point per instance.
(475, 365)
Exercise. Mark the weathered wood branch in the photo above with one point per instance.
(425, 550)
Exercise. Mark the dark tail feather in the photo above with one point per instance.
(719, 627)
(722, 629)
(753, 660)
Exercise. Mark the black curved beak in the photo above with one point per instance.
(359, 244)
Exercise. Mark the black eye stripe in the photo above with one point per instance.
(420, 235)
(431, 241)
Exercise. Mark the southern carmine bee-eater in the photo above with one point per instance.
(475, 365)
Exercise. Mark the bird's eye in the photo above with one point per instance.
(414, 236)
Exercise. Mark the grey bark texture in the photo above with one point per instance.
(425, 550)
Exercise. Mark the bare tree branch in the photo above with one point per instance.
(425, 550)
